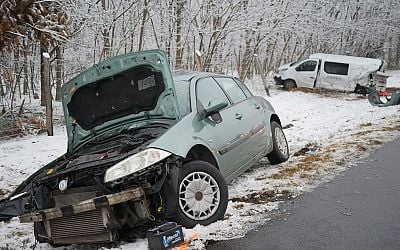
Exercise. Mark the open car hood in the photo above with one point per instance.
(121, 90)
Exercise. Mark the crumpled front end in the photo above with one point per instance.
(94, 218)
(101, 193)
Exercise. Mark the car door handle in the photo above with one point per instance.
(238, 116)
(312, 77)
(257, 106)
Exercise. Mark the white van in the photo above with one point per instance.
(329, 72)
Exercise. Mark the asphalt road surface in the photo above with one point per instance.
(359, 209)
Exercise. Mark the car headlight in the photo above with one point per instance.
(135, 163)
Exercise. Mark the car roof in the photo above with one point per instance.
(189, 75)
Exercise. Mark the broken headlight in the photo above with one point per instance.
(135, 163)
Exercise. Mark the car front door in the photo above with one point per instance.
(225, 136)
(306, 73)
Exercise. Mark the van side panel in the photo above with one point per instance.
(334, 75)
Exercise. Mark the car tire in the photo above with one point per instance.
(201, 184)
(280, 152)
(289, 84)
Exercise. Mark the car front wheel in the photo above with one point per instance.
(280, 152)
(289, 84)
(203, 194)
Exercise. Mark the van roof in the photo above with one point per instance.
(347, 59)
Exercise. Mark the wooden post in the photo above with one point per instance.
(46, 85)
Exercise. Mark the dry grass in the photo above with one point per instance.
(307, 164)
(238, 206)
(21, 126)
(263, 197)
(367, 124)
(363, 133)
(394, 128)
(375, 142)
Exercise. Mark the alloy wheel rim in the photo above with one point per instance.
(199, 196)
(281, 141)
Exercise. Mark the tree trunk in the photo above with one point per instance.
(178, 37)
(59, 72)
(17, 70)
(144, 18)
(262, 74)
(26, 74)
(247, 57)
(46, 84)
(106, 52)
(1, 87)
(32, 71)
(43, 93)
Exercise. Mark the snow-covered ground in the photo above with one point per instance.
(394, 79)
(335, 130)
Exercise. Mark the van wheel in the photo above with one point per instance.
(203, 194)
(289, 84)
(280, 152)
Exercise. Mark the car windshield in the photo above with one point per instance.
(183, 96)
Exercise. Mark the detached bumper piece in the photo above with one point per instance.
(88, 221)
(384, 99)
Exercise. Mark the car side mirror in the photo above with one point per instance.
(214, 106)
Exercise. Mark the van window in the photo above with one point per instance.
(307, 66)
(336, 68)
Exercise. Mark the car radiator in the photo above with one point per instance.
(86, 227)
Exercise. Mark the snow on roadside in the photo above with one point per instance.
(342, 128)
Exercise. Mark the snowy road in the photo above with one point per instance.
(338, 129)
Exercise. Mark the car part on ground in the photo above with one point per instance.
(165, 236)
(161, 151)
(383, 99)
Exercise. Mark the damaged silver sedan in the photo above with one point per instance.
(145, 147)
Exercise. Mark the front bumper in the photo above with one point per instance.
(85, 222)
(278, 80)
